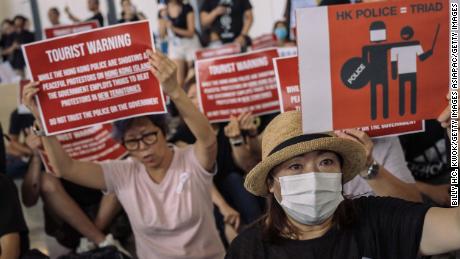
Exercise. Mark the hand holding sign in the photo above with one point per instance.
(28, 98)
(165, 71)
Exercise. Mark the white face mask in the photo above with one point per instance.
(378, 35)
(311, 198)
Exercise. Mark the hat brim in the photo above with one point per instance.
(352, 153)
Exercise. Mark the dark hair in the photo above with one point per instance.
(275, 224)
(55, 10)
(120, 127)
(279, 22)
(21, 17)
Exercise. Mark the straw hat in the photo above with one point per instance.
(283, 139)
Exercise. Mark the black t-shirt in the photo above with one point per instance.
(427, 153)
(181, 20)
(225, 162)
(228, 25)
(19, 122)
(16, 59)
(11, 217)
(5, 42)
(386, 228)
(98, 16)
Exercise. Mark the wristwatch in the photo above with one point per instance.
(238, 141)
(372, 171)
(37, 130)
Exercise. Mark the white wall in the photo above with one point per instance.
(266, 12)
(10, 8)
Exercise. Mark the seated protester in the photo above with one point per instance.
(165, 190)
(129, 13)
(230, 19)
(178, 25)
(427, 155)
(71, 211)
(388, 175)
(93, 6)
(17, 151)
(229, 177)
(14, 239)
(281, 32)
(302, 176)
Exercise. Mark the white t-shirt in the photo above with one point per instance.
(173, 219)
(389, 154)
(407, 58)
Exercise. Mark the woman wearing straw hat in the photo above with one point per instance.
(302, 177)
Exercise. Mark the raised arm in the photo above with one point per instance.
(71, 16)
(206, 144)
(30, 187)
(87, 174)
(383, 183)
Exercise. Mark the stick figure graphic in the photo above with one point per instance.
(375, 55)
(404, 66)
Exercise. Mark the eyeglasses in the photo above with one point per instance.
(147, 138)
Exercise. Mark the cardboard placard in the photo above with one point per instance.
(235, 84)
(264, 41)
(61, 30)
(94, 77)
(224, 50)
(287, 79)
(90, 144)
(393, 67)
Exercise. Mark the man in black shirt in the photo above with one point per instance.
(229, 20)
(93, 6)
(14, 239)
(6, 40)
(20, 36)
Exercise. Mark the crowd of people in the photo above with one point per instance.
(253, 187)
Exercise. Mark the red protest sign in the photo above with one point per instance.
(90, 144)
(61, 30)
(224, 50)
(287, 79)
(235, 84)
(393, 67)
(264, 41)
(94, 77)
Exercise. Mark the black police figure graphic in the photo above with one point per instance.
(372, 67)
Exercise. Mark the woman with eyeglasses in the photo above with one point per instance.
(165, 190)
